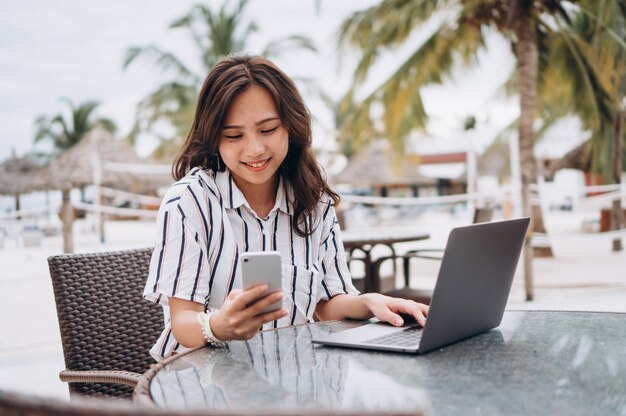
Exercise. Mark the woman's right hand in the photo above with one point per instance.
(240, 318)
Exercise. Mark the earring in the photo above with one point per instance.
(217, 162)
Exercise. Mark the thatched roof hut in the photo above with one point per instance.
(86, 163)
(76, 167)
(16, 175)
(376, 166)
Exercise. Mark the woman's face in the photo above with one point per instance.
(253, 141)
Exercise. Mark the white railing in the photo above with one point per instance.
(106, 209)
(128, 196)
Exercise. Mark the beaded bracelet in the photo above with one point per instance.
(204, 319)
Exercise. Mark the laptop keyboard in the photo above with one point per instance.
(405, 338)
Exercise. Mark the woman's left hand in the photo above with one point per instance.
(388, 309)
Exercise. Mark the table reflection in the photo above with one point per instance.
(283, 369)
(534, 363)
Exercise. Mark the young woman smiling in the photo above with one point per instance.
(247, 180)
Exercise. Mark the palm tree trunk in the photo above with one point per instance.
(527, 70)
(618, 215)
(18, 205)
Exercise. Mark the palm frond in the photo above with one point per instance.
(592, 93)
(216, 32)
(385, 25)
(613, 35)
(164, 59)
(430, 63)
(66, 138)
(108, 124)
(390, 22)
(42, 128)
(81, 118)
(174, 102)
(294, 42)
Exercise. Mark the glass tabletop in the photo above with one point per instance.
(533, 363)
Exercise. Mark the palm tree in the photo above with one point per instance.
(66, 132)
(215, 34)
(603, 26)
(583, 74)
(461, 27)
(345, 117)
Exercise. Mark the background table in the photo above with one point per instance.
(534, 363)
(365, 239)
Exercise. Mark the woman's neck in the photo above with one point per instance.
(262, 197)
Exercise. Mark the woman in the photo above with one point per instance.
(248, 181)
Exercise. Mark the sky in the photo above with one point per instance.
(74, 49)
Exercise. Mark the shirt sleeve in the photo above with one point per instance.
(337, 279)
(179, 266)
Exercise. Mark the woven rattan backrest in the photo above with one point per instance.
(105, 324)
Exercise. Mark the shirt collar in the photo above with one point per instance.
(233, 197)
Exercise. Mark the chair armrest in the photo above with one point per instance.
(100, 376)
(418, 253)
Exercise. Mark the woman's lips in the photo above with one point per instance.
(257, 165)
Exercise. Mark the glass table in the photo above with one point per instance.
(533, 363)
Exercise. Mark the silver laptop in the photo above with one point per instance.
(470, 295)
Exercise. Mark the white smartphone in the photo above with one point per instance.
(258, 267)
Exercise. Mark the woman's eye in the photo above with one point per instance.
(269, 130)
(233, 137)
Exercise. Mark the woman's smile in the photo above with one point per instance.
(257, 165)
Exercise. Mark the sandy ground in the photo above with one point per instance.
(584, 275)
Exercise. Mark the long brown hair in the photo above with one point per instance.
(230, 77)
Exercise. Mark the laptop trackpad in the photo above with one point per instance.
(365, 332)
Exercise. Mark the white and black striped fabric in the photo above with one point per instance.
(203, 226)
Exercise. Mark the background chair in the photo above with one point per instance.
(107, 328)
(422, 295)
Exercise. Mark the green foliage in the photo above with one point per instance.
(215, 34)
(567, 76)
(586, 76)
(64, 132)
(388, 25)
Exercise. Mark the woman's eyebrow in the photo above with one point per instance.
(265, 120)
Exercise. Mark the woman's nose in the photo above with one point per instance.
(256, 145)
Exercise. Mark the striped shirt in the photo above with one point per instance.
(203, 226)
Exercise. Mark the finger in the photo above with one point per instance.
(420, 318)
(257, 307)
(393, 318)
(414, 310)
(271, 316)
(249, 296)
(233, 294)
(420, 314)
(251, 326)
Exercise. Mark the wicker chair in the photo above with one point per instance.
(422, 295)
(106, 327)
